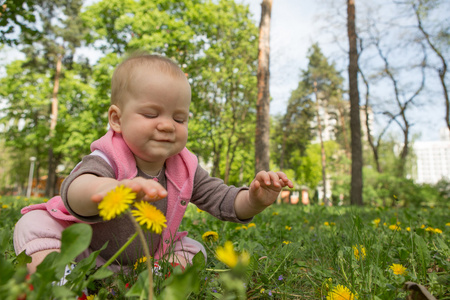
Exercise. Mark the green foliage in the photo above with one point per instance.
(388, 189)
(17, 14)
(215, 43)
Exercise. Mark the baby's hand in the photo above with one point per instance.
(266, 186)
(145, 189)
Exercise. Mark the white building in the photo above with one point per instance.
(433, 159)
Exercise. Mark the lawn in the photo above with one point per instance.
(286, 252)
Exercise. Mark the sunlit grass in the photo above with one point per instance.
(307, 252)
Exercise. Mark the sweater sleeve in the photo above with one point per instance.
(213, 196)
(91, 164)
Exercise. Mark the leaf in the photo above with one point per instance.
(62, 292)
(422, 251)
(75, 239)
(102, 273)
(23, 259)
(77, 278)
(140, 288)
(198, 261)
(181, 285)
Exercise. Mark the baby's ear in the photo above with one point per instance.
(114, 114)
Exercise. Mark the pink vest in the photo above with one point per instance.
(180, 173)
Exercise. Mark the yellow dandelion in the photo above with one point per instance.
(275, 214)
(326, 224)
(5, 206)
(90, 297)
(230, 257)
(141, 260)
(287, 242)
(398, 269)
(262, 291)
(210, 236)
(288, 227)
(437, 230)
(116, 202)
(149, 216)
(395, 227)
(199, 210)
(429, 229)
(376, 222)
(447, 224)
(251, 225)
(341, 292)
(423, 226)
(408, 228)
(359, 251)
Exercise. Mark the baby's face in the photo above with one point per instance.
(154, 117)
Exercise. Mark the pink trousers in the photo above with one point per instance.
(37, 230)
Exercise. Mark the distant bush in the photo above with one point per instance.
(386, 189)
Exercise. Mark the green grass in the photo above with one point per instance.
(297, 252)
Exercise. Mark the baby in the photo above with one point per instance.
(144, 150)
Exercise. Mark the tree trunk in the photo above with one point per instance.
(322, 149)
(51, 179)
(54, 115)
(355, 123)
(262, 151)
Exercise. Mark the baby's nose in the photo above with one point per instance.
(166, 125)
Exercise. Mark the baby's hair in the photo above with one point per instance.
(123, 74)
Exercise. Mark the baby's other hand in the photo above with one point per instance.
(266, 186)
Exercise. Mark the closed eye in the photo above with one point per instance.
(150, 116)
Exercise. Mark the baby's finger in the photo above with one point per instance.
(275, 178)
(284, 180)
(154, 193)
(97, 198)
(256, 184)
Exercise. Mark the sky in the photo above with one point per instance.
(295, 26)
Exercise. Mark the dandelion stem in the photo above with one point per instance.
(113, 258)
(147, 253)
(218, 270)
